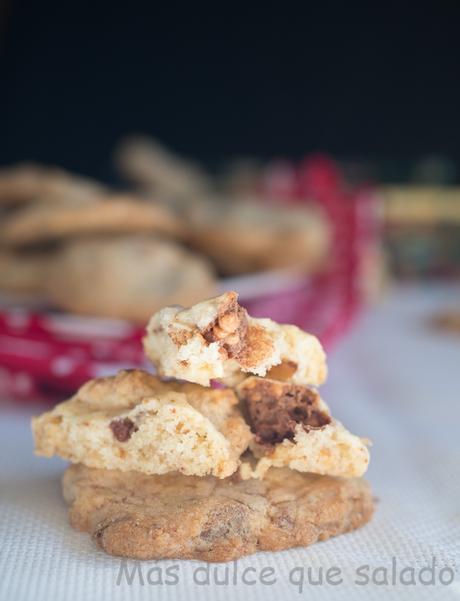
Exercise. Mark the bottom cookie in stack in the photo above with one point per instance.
(141, 516)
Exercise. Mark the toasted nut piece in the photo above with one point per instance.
(229, 322)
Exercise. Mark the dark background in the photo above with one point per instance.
(378, 82)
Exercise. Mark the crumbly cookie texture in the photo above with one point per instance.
(217, 339)
(134, 421)
(184, 517)
(293, 428)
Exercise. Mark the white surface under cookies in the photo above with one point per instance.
(394, 379)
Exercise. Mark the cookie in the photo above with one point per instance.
(134, 421)
(217, 339)
(184, 517)
(105, 215)
(150, 165)
(27, 182)
(293, 427)
(24, 273)
(127, 277)
(449, 321)
(246, 236)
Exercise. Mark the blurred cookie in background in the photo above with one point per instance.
(127, 277)
(247, 236)
(239, 234)
(115, 214)
(23, 274)
(447, 321)
(29, 182)
(149, 165)
(242, 177)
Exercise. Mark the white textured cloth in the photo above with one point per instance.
(393, 379)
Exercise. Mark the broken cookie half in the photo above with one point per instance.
(217, 339)
(134, 421)
(293, 428)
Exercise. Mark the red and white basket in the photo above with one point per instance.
(47, 355)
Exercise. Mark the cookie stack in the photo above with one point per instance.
(177, 468)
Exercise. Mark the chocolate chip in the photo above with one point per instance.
(275, 409)
(122, 429)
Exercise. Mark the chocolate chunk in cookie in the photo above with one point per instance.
(122, 429)
(274, 409)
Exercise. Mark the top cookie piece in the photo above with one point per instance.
(217, 339)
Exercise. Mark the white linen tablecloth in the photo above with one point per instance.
(393, 379)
